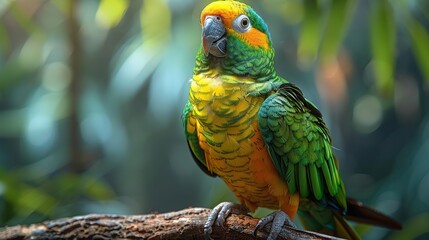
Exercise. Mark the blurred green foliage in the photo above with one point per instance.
(364, 63)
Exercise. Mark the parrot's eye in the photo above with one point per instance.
(244, 22)
(241, 24)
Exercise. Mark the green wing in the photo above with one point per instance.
(192, 139)
(300, 146)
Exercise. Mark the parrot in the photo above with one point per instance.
(256, 131)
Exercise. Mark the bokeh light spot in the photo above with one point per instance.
(96, 128)
(388, 202)
(56, 76)
(367, 114)
(40, 131)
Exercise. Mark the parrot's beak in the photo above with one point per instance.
(214, 37)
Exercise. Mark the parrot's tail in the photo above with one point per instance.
(332, 222)
(342, 228)
(327, 222)
(358, 212)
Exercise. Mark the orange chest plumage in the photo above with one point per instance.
(248, 171)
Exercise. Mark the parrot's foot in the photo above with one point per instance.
(219, 215)
(277, 219)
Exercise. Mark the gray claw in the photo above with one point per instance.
(219, 215)
(277, 219)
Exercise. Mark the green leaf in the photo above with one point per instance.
(155, 20)
(340, 13)
(420, 45)
(110, 12)
(414, 227)
(33, 199)
(23, 19)
(62, 5)
(310, 33)
(383, 45)
(4, 39)
(97, 189)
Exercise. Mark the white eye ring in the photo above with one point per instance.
(241, 24)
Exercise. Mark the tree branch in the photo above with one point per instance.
(184, 224)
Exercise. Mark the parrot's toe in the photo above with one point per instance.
(277, 219)
(219, 215)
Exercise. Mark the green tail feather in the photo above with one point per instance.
(343, 229)
(324, 220)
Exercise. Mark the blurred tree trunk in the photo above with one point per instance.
(77, 163)
(184, 224)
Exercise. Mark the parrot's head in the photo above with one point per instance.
(234, 38)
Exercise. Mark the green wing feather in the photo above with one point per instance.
(192, 139)
(300, 146)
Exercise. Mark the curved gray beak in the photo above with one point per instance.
(214, 37)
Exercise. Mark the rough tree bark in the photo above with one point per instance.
(184, 224)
